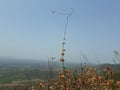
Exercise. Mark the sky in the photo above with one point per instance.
(29, 29)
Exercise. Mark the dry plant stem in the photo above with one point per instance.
(63, 68)
(64, 75)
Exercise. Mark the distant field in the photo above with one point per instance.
(24, 72)
(22, 75)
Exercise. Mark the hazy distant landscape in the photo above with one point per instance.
(22, 74)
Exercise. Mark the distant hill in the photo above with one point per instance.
(114, 67)
(20, 62)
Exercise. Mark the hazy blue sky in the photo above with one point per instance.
(29, 30)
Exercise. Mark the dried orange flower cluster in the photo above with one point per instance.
(41, 84)
(83, 79)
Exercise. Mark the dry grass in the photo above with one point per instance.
(83, 79)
